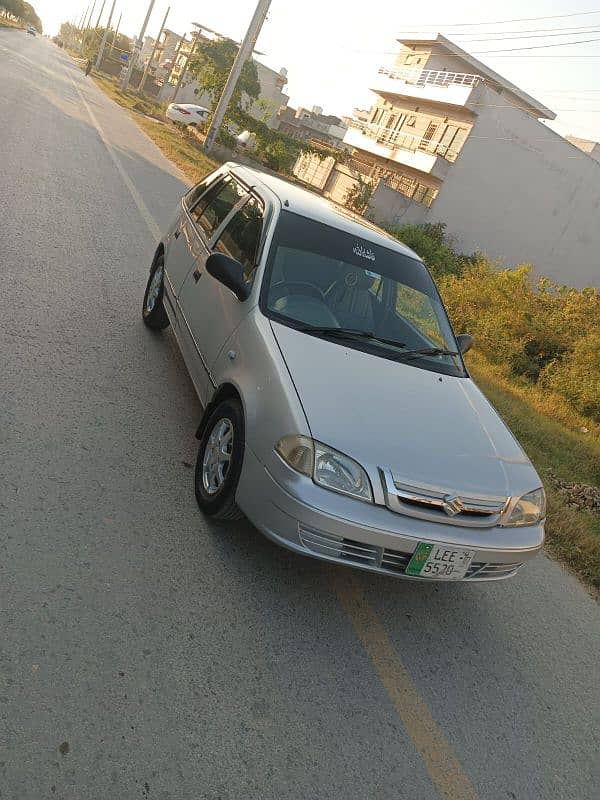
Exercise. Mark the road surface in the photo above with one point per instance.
(145, 652)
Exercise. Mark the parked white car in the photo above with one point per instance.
(187, 113)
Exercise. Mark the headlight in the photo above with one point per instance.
(327, 467)
(528, 510)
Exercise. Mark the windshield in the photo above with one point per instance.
(358, 294)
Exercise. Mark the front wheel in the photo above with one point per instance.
(219, 462)
(153, 311)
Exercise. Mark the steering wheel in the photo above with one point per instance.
(285, 288)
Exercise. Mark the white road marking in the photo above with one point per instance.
(137, 197)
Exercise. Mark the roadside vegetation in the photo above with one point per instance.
(537, 358)
(24, 12)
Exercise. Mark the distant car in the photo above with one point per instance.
(187, 113)
(31, 31)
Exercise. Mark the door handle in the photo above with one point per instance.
(196, 275)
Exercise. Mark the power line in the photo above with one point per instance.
(574, 30)
(534, 47)
(506, 21)
(533, 36)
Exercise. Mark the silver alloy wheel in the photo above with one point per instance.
(154, 289)
(217, 456)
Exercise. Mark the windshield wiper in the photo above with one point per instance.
(427, 351)
(349, 333)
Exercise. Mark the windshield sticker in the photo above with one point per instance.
(375, 275)
(363, 252)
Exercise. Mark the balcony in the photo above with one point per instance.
(403, 148)
(438, 86)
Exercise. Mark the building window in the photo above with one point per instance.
(428, 136)
(425, 195)
(409, 58)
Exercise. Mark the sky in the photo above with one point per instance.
(331, 48)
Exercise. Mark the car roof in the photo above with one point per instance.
(308, 204)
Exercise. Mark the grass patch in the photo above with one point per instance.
(8, 23)
(180, 147)
(550, 432)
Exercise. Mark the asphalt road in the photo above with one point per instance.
(145, 652)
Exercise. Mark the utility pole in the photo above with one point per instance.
(82, 18)
(100, 14)
(185, 64)
(105, 37)
(127, 78)
(243, 55)
(116, 33)
(89, 19)
(151, 59)
(87, 25)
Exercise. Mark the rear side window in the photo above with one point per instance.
(241, 237)
(196, 193)
(216, 204)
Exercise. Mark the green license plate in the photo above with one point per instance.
(439, 562)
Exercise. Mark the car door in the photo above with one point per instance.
(207, 218)
(212, 311)
(181, 243)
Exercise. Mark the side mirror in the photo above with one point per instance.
(465, 342)
(230, 273)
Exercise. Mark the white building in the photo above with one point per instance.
(450, 140)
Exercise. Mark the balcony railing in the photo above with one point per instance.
(430, 77)
(401, 140)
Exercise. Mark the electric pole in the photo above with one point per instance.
(151, 59)
(243, 55)
(87, 25)
(105, 37)
(116, 33)
(140, 39)
(100, 14)
(185, 64)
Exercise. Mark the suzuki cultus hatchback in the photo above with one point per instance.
(339, 415)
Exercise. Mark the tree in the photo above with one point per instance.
(19, 8)
(30, 16)
(210, 67)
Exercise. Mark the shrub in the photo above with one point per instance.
(577, 376)
(430, 242)
(538, 332)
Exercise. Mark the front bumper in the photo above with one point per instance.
(295, 513)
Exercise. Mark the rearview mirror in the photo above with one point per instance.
(230, 273)
(465, 342)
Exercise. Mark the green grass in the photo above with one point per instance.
(8, 23)
(551, 436)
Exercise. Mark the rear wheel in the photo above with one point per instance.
(219, 462)
(153, 311)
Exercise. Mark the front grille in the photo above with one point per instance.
(337, 547)
(393, 562)
(441, 505)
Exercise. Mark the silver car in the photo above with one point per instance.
(339, 416)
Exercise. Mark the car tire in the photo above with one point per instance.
(216, 478)
(153, 310)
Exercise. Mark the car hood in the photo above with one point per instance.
(428, 429)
